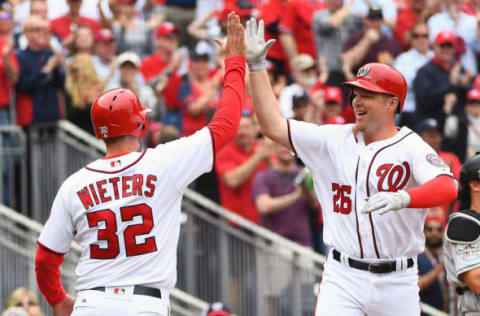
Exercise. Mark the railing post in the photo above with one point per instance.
(190, 252)
(224, 264)
(296, 285)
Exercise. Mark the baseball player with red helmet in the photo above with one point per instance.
(124, 209)
(374, 182)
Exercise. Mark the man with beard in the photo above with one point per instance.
(431, 267)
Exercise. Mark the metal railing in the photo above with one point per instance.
(251, 269)
(18, 236)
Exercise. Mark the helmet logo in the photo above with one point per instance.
(104, 131)
(363, 71)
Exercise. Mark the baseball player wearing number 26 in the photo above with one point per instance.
(374, 182)
(124, 209)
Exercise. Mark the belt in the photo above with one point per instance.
(374, 267)
(461, 290)
(139, 290)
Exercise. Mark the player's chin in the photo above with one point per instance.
(360, 125)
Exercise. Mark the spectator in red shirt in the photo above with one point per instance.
(296, 34)
(237, 164)
(8, 66)
(417, 11)
(197, 92)
(164, 63)
(64, 25)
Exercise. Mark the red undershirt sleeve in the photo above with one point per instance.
(47, 271)
(225, 122)
(438, 191)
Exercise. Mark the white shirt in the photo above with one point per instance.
(129, 233)
(408, 64)
(342, 167)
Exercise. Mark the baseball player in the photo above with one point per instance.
(462, 244)
(373, 181)
(124, 209)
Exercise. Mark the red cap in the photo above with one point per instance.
(103, 36)
(332, 93)
(166, 29)
(445, 36)
(473, 95)
(336, 120)
(230, 6)
(435, 217)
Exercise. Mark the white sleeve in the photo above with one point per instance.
(190, 157)
(427, 164)
(308, 140)
(58, 232)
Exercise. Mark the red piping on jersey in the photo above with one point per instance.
(213, 146)
(126, 167)
(318, 293)
(368, 188)
(356, 216)
(116, 155)
(290, 137)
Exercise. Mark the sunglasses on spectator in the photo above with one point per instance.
(419, 35)
(446, 45)
(30, 303)
(431, 228)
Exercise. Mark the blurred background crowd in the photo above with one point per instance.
(57, 56)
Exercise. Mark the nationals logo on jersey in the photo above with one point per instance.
(393, 177)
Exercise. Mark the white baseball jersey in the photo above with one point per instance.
(346, 171)
(124, 211)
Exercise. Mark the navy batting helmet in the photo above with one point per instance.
(470, 171)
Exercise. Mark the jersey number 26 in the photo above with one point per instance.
(109, 233)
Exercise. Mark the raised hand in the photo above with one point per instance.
(235, 45)
(256, 47)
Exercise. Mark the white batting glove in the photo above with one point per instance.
(256, 47)
(387, 201)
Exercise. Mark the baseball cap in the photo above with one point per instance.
(445, 36)
(332, 93)
(103, 36)
(374, 12)
(427, 125)
(473, 95)
(302, 62)
(202, 51)
(299, 100)
(218, 309)
(128, 57)
(435, 217)
(241, 7)
(166, 29)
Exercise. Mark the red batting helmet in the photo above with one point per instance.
(380, 78)
(118, 112)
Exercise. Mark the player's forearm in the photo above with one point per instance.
(225, 122)
(269, 116)
(472, 279)
(238, 176)
(267, 204)
(289, 45)
(47, 271)
(435, 192)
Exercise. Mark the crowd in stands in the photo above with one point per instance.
(58, 56)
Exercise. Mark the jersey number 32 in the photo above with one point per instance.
(109, 233)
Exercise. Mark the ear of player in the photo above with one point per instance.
(384, 202)
(119, 112)
(256, 47)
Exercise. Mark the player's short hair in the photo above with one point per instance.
(114, 140)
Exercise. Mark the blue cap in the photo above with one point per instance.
(427, 125)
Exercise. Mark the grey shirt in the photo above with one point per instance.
(329, 41)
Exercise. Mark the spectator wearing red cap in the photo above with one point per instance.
(64, 25)
(296, 34)
(464, 26)
(217, 309)
(408, 63)
(432, 281)
(104, 56)
(440, 82)
(464, 126)
(131, 32)
(163, 64)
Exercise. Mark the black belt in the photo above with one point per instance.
(374, 267)
(461, 290)
(139, 290)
